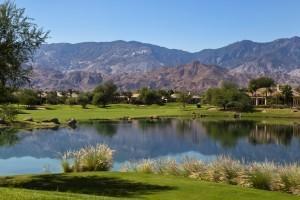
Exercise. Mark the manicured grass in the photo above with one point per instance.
(117, 111)
(115, 185)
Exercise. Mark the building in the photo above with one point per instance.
(261, 96)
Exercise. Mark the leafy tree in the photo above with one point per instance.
(6, 95)
(287, 93)
(228, 97)
(253, 86)
(71, 101)
(104, 93)
(149, 96)
(52, 98)
(184, 98)
(19, 39)
(83, 99)
(28, 97)
(262, 82)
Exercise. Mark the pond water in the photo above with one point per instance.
(39, 151)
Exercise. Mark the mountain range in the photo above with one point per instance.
(134, 64)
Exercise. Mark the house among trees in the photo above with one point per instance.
(276, 95)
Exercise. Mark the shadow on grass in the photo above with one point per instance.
(93, 185)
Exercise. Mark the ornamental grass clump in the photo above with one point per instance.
(167, 167)
(264, 176)
(290, 179)
(90, 158)
(145, 166)
(226, 170)
(194, 168)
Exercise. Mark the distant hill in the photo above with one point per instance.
(134, 64)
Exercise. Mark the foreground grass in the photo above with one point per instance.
(115, 185)
(117, 111)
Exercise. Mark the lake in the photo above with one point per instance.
(38, 151)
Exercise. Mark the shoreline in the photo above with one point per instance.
(127, 112)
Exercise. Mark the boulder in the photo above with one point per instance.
(72, 122)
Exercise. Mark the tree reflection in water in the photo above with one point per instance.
(8, 136)
(274, 134)
(229, 132)
(148, 124)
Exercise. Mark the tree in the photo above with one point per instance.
(28, 97)
(184, 98)
(83, 100)
(253, 86)
(262, 82)
(228, 97)
(287, 93)
(104, 93)
(52, 98)
(149, 96)
(19, 39)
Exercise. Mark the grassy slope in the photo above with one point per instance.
(112, 185)
(117, 111)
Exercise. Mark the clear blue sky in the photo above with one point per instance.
(183, 24)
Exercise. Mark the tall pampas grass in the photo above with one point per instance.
(90, 158)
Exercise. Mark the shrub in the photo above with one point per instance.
(90, 158)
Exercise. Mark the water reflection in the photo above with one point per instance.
(107, 128)
(228, 132)
(274, 134)
(140, 139)
(8, 136)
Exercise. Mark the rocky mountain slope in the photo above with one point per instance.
(135, 64)
(194, 76)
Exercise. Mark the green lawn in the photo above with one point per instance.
(116, 185)
(117, 111)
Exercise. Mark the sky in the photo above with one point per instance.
(190, 25)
